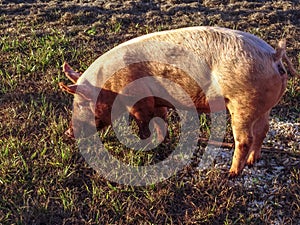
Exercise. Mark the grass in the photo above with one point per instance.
(45, 180)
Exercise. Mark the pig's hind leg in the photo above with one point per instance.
(242, 127)
(260, 129)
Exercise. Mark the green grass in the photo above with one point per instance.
(43, 177)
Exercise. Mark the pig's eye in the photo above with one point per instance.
(80, 106)
(281, 70)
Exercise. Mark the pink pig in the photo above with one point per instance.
(242, 70)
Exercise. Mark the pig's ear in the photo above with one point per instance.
(82, 90)
(70, 73)
(280, 50)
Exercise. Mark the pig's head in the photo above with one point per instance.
(88, 116)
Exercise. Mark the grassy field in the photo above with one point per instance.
(43, 177)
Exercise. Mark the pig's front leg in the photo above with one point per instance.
(143, 112)
(161, 129)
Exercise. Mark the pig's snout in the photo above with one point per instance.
(70, 133)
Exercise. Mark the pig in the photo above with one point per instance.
(242, 70)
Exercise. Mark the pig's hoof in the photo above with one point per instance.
(69, 133)
(232, 174)
(252, 160)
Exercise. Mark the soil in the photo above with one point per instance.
(97, 26)
(270, 20)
